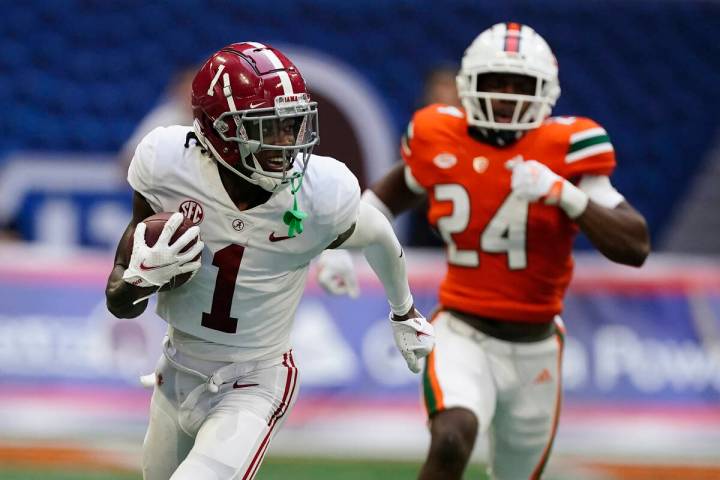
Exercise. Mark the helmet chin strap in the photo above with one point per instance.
(266, 183)
(293, 217)
(272, 185)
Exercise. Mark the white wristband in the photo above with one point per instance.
(573, 200)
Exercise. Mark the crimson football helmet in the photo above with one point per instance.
(245, 94)
(509, 48)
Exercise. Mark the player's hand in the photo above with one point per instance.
(336, 273)
(533, 181)
(157, 265)
(414, 337)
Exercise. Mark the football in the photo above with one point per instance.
(155, 224)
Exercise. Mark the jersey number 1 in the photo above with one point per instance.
(504, 233)
(228, 262)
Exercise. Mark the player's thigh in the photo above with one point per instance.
(233, 440)
(457, 372)
(166, 444)
(228, 447)
(526, 419)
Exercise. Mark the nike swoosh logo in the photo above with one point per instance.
(155, 267)
(253, 105)
(273, 238)
(244, 385)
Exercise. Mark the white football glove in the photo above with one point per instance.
(532, 181)
(415, 338)
(336, 273)
(157, 265)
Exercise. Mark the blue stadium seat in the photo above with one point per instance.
(647, 71)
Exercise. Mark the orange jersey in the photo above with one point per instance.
(507, 258)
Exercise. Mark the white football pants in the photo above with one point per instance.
(513, 388)
(195, 434)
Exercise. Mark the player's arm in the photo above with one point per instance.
(616, 229)
(134, 279)
(119, 294)
(373, 234)
(392, 194)
(619, 233)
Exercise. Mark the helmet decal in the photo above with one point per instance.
(215, 80)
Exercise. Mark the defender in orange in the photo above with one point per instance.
(508, 188)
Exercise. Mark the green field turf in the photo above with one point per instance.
(272, 469)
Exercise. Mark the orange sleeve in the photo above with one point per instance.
(421, 143)
(589, 150)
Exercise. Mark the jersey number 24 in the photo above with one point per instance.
(505, 232)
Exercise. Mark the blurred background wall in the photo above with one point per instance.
(78, 80)
(78, 76)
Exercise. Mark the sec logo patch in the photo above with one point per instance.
(192, 210)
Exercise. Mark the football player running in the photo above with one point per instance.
(264, 207)
(508, 189)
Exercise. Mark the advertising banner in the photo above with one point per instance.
(635, 344)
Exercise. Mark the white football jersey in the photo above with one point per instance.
(240, 304)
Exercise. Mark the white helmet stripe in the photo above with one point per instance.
(215, 80)
(227, 91)
(275, 61)
(285, 82)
